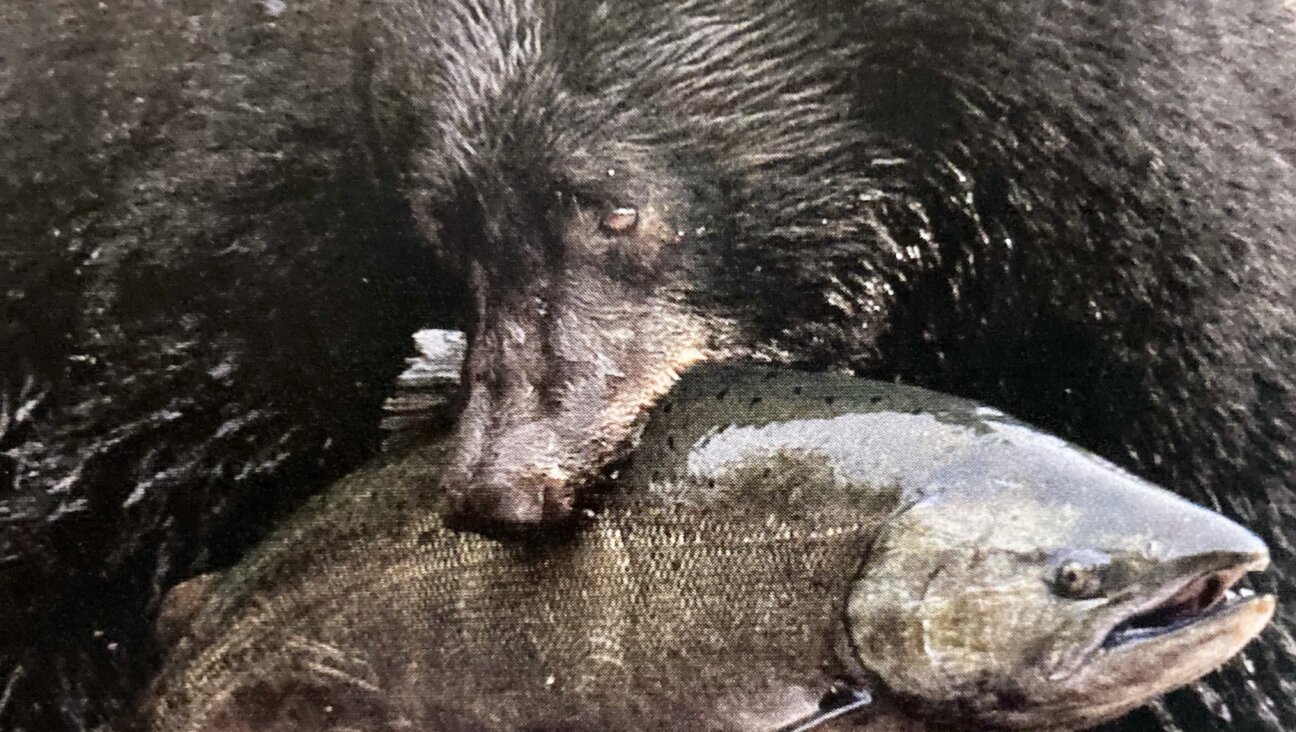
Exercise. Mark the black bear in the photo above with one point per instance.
(221, 225)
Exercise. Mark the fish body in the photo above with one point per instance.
(776, 537)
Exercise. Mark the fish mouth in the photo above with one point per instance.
(1200, 598)
(1198, 617)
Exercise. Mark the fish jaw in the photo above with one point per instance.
(1189, 627)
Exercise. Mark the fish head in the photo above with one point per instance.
(1040, 587)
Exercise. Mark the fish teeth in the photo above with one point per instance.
(1240, 593)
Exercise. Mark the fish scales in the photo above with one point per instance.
(773, 536)
(637, 603)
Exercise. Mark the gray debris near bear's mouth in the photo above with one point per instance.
(426, 389)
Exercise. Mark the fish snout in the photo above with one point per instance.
(1211, 539)
(1230, 538)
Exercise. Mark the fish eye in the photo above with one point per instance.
(1080, 576)
(620, 220)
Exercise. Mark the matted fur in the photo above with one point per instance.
(228, 221)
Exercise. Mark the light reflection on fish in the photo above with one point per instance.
(780, 547)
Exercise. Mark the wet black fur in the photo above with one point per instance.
(219, 229)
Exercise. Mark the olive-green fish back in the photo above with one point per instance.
(341, 614)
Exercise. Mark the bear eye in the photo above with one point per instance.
(1079, 577)
(620, 220)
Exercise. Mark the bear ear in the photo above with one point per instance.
(620, 220)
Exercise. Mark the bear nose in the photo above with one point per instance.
(493, 503)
